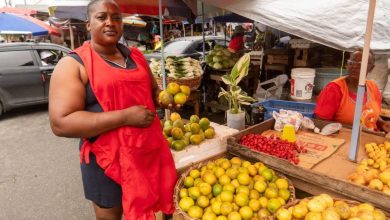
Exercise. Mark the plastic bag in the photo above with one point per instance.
(287, 117)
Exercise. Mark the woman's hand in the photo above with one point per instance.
(139, 116)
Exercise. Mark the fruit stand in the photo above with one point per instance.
(329, 175)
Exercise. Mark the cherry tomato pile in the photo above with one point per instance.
(274, 146)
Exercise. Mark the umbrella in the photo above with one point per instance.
(19, 24)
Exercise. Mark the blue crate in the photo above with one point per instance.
(306, 109)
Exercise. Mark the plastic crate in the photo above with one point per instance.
(306, 109)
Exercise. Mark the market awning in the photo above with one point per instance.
(334, 23)
(21, 24)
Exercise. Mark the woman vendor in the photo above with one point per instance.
(103, 93)
(336, 101)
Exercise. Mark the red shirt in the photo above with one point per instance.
(329, 101)
(237, 43)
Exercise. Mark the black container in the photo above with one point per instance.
(257, 114)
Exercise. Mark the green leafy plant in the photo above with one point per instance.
(235, 95)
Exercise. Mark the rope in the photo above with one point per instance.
(342, 63)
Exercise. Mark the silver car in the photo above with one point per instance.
(25, 71)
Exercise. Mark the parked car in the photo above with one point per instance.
(188, 47)
(25, 71)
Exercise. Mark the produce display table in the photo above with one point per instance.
(207, 149)
(328, 176)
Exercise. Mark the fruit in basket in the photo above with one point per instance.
(283, 214)
(231, 190)
(299, 211)
(338, 210)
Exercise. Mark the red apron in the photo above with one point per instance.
(138, 159)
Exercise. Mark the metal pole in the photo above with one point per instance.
(354, 146)
(162, 44)
(184, 29)
(167, 113)
(204, 38)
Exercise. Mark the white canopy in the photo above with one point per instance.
(335, 23)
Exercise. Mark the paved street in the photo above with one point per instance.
(39, 172)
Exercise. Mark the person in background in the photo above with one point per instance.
(237, 41)
(337, 100)
(104, 93)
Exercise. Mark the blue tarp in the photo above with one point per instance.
(14, 24)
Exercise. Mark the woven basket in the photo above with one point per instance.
(349, 202)
(193, 83)
(180, 184)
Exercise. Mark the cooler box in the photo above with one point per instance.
(208, 148)
(306, 109)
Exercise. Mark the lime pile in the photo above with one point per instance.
(233, 189)
(179, 135)
(323, 207)
(174, 94)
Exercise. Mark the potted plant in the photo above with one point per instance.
(234, 94)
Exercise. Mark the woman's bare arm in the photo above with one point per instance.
(68, 117)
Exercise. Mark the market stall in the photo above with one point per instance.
(324, 168)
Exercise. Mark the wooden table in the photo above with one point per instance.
(194, 99)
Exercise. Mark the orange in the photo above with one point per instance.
(246, 212)
(180, 98)
(226, 196)
(243, 178)
(202, 201)
(173, 88)
(234, 216)
(195, 212)
(185, 89)
(185, 203)
(204, 123)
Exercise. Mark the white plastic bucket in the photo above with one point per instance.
(302, 80)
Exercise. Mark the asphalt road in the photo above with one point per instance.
(39, 172)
